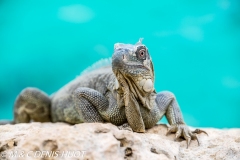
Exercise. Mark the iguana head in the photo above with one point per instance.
(132, 66)
(134, 62)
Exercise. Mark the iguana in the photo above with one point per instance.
(122, 94)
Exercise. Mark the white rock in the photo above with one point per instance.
(106, 141)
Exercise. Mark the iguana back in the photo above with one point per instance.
(99, 79)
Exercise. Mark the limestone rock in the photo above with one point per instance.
(87, 141)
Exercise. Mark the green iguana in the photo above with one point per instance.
(122, 94)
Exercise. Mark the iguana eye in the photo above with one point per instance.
(142, 52)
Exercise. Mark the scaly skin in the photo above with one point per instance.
(122, 94)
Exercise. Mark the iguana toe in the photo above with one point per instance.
(125, 126)
(182, 130)
(198, 131)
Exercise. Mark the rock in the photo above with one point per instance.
(49, 141)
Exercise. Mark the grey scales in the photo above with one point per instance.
(121, 93)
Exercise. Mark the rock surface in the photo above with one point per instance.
(48, 141)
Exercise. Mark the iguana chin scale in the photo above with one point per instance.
(122, 94)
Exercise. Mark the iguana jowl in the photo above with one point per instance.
(122, 94)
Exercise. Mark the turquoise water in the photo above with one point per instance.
(195, 46)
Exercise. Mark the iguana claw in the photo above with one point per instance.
(198, 131)
(125, 126)
(188, 141)
(183, 130)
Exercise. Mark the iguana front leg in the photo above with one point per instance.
(168, 104)
(90, 104)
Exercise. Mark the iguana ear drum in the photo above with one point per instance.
(148, 86)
